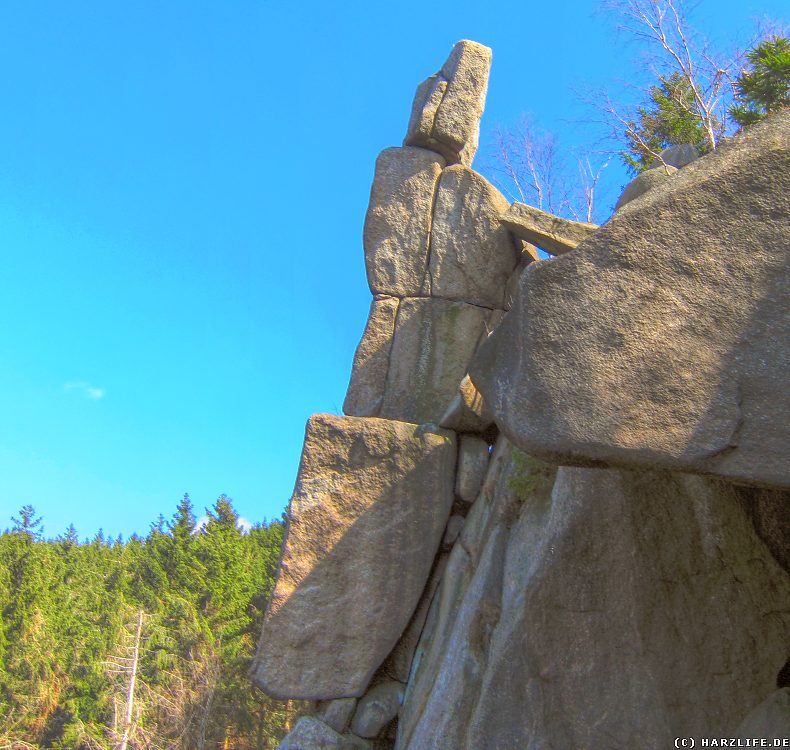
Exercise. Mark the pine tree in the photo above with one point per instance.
(765, 86)
(669, 119)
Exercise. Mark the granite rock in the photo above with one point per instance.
(448, 106)
(550, 233)
(371, 361)
(662, 340)
(472, 254)
(377, 708)
(398, 221)
(366, 519)
(434, 342)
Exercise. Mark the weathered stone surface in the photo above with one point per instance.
(643, 182)
(454, 526)
(467, 411)
(398, 663)
(548, 232)
(398, 222)
(448, 106)
(603, 606)
(371, 361)
(472, 466)
(769, 721)
(434, 342)
(679, 156)
(449, 659)
(337, 713)
(377, 708)
(472, 254)
(529, 254)
(426, 103)
(770, 510)
(663, 339)
(310, 733)
(367, 516)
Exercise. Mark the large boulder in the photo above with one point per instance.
(398, 221)
(768, 721)
(448, 106)
(365, 521)
(472, 254)
(662, 340)
(616, 609)
(434, 342)
(643, 182)
(372, 360)
(310, 733)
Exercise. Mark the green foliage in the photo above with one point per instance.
(66, 610)
(765, 86)
(530, 476)
(669, 119)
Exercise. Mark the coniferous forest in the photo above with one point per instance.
(113, 644)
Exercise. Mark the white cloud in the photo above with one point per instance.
(85, 389)
(242, 524)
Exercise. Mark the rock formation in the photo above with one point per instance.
(526, 532)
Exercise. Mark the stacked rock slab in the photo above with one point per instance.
(366, 518)
(438, 256)
(368, 521)
(436, 592)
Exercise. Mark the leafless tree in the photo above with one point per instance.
(673, 47)
(528, 165)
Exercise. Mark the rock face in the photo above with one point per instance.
(372, 360)
(769, 721)
(398, 222)
(552, 234)
(448, 106)
(570, 606)
(557, 623)
(368, 512)
(434, 342)
(662, 339)
(472, 254)
(643, 182)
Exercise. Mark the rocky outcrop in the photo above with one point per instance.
(434, 341)
(578, 616)
(643, 182)
(398, 222)
(447, 106)
(368, 513)
(662, 339)
(550, 233)
(472, 252)
(768, 721)
(443, 587)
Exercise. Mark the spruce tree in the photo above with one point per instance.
(764, 87)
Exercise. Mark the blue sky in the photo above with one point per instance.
(182, 192)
